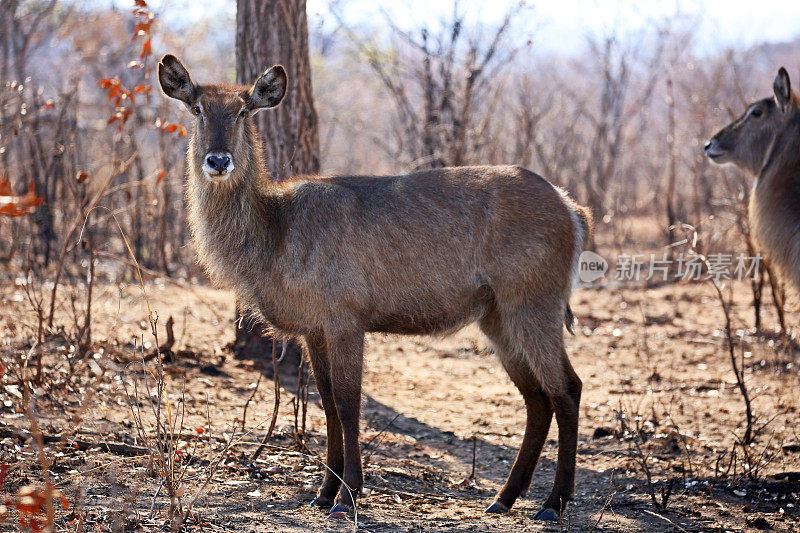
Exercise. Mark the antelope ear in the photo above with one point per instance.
(783, 89)
(175, 80)
(269, 89)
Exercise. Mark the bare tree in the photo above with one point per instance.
(543, 116)
(444, 84)
(611, 116)
(19, 32)
(21, 26)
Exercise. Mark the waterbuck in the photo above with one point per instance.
(327, 259)
(765, 141)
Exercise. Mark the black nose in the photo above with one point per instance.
(218, 163)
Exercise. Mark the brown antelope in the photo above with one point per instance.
(328, 259)
(765, 141)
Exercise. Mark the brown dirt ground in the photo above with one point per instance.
(655, 353)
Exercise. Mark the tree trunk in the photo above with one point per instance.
(270, 32)
(267, 33)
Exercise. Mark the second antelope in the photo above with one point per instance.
(765, 142)
(328, 259)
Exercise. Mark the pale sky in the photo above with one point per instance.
(556, 25)
(563, 24)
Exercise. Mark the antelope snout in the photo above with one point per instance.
(713, 150)
(218, 165)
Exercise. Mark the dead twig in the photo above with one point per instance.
(665, 519)
(250, 399)
(738, 371)
(474, 454)
(275, 407)
(160, 275)
(369, 443)
(640, 456)
(611, 494)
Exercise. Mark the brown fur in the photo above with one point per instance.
(328, 259)
(765, 141)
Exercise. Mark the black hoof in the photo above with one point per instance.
(339, 511)
(497, 508)
(547, 515)
(321, 503)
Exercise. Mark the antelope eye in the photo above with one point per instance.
(196, 110)
(242, 114)
(757, 112)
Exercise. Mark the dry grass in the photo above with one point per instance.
(659, 353)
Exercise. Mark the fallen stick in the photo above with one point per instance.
(416, 495)
(118, 448)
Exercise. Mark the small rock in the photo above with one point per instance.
(791, 446)
(211, 370)
(601, 432)
(760, 523)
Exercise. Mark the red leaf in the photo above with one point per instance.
(5, 187)
(161, 175)
(82, 176)
(147, 49)
(16, 206)
(29, 500)
(64, 501)
(30, 197)
(12, 210)
(142, 28)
